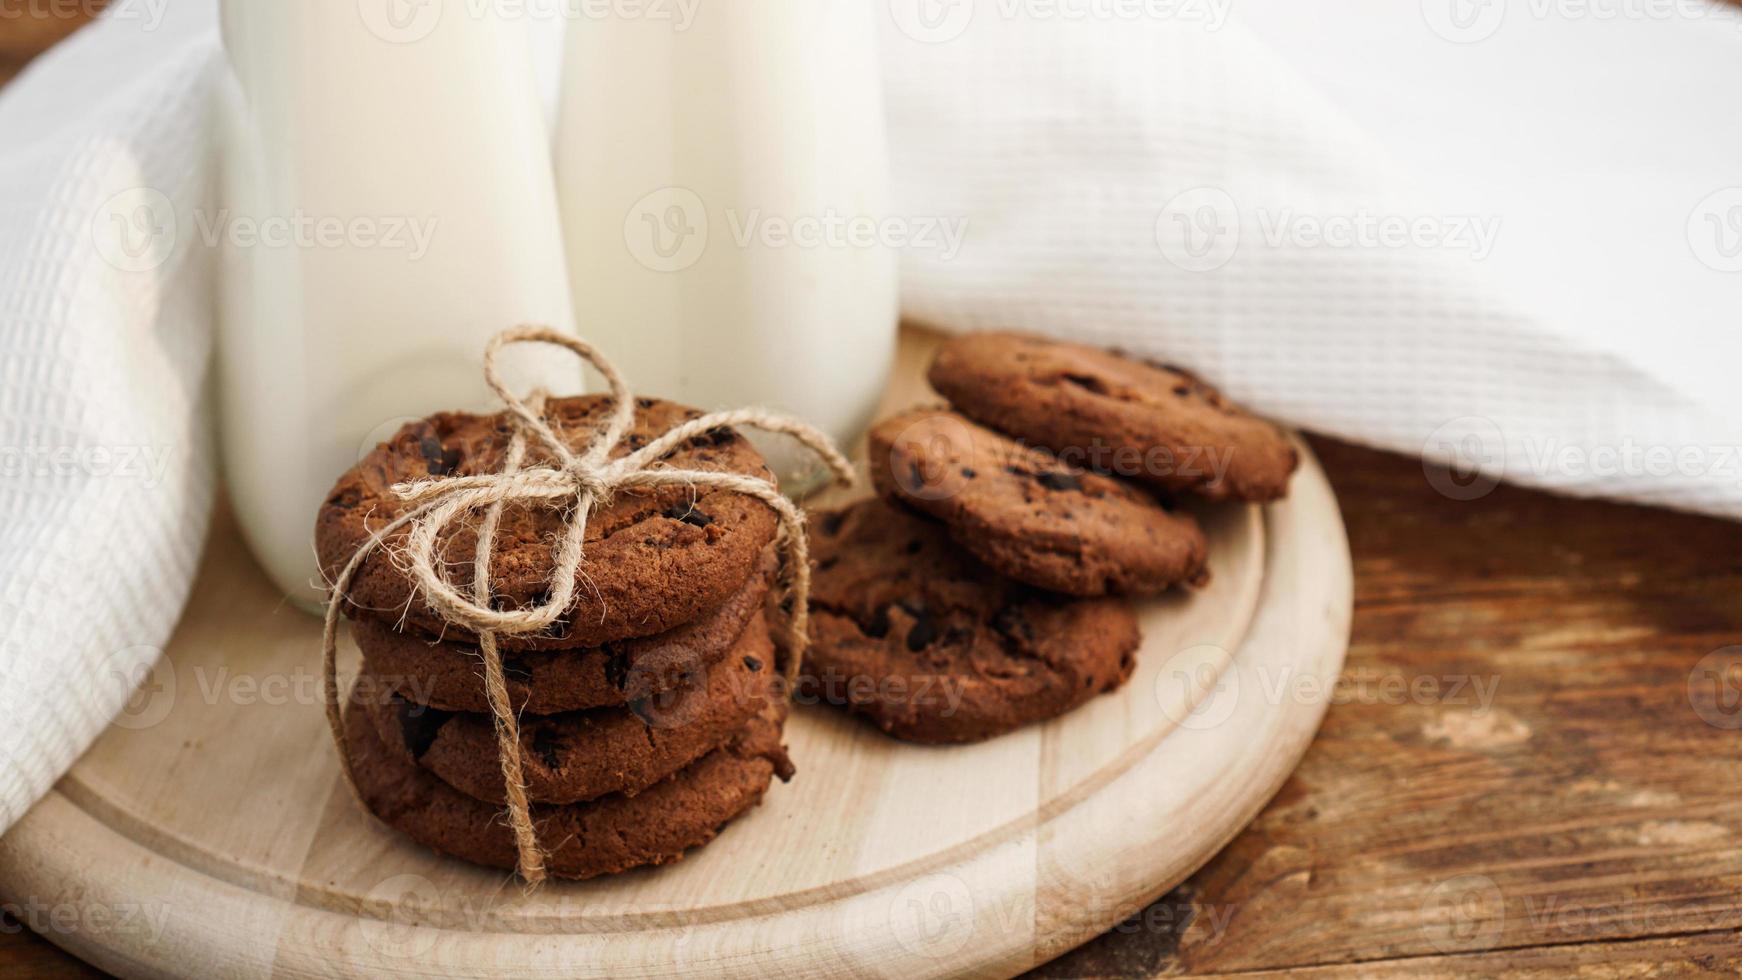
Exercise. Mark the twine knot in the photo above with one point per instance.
(589, 482)
(578, 483)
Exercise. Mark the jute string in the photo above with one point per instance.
(579, 483)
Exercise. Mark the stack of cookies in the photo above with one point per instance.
(651, 713)
(980, 593)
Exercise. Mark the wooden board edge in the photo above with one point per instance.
(998, 911)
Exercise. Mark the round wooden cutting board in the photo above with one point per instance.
(208, 832)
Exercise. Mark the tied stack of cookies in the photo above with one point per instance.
(980, 591)
(650, 709)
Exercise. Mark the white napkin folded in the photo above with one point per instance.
(1507, 237)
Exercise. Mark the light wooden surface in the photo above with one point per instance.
(213, 816)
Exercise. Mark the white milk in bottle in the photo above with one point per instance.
(721, 181)
(388, 205)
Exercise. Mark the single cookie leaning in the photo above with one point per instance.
(933, 646)
(450, 676)
(604, 836)
(587, 754)
(1028, 515)
(1153, 423)
(655, 558)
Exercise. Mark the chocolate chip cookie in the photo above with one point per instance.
(587, 754)
(582, 840)
(933, 646)
(1030, 516)
(1153, 423)
(450, 675)
(655, 558)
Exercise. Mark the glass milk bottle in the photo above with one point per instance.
(722, 179)
(387, 206)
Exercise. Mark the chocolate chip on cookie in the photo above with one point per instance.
(933, 646)
(655, 558)
(449, 675)
(1029, 515)
(604, 836)
(587, 754)
(1153, 423)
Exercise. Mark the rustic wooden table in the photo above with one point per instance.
(1533, 765)
(1539, 731)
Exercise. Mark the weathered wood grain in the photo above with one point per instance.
(1550, 796)
(26, 956)
(30, 27)
(1713, 955)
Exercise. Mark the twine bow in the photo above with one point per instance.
(579, 483)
